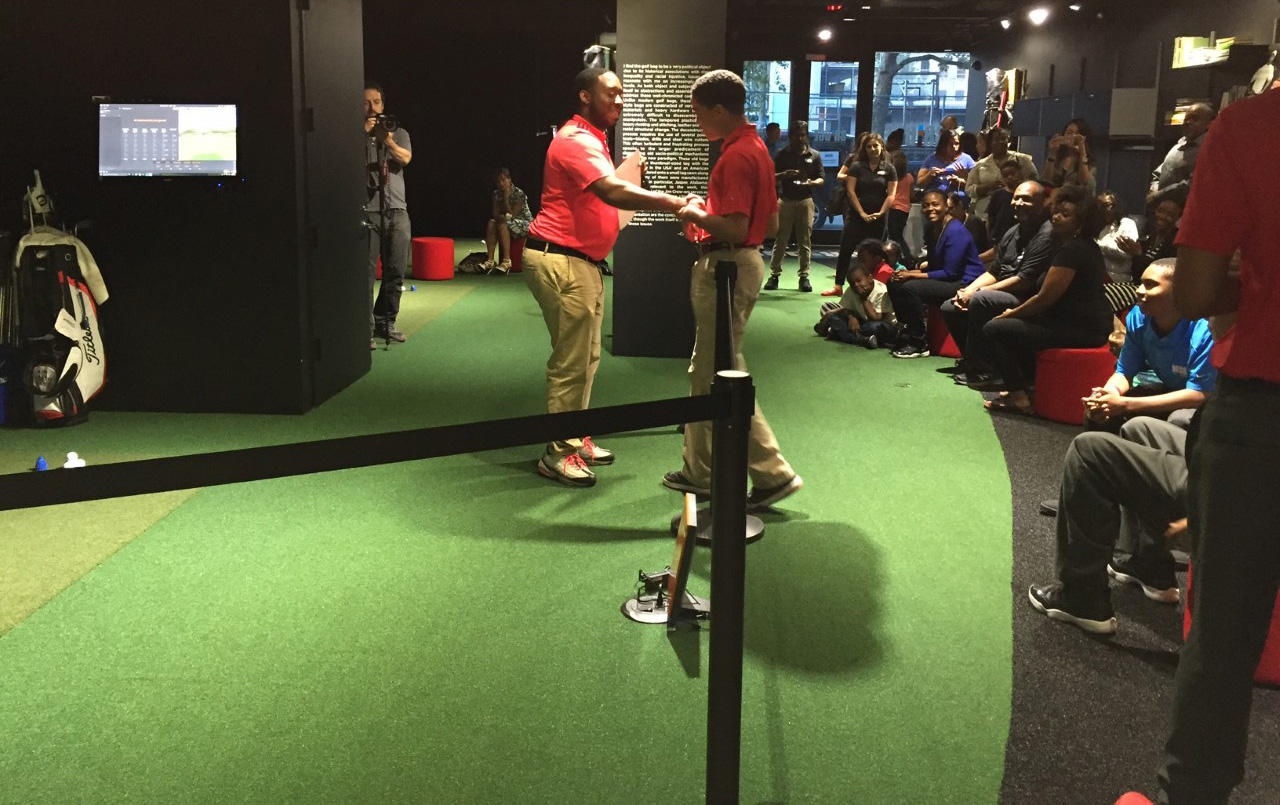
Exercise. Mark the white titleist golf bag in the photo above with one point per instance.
(50, 317)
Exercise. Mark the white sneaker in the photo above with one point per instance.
(568, 469)
(593, 454)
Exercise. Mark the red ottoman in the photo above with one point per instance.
(517, 255)
(433, 258)
(1064, 376)
(940, 341)
(1268, 672)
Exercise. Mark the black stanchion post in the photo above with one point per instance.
(728, 583)
(726, 279)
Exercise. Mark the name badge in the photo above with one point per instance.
(1180, 371)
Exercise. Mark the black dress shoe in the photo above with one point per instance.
(771, 284)
(805, 287)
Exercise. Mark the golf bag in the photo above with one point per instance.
(49, 318)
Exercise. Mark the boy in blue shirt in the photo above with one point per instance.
(1170, 352)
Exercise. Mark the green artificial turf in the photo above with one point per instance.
(449, 630)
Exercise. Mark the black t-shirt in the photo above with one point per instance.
(1026, 254)
(808, 162)
(871, 186)
(1000, 213)
(1082, 305)
(978, 230)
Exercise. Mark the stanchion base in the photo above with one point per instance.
(653, 608)
(755, 527)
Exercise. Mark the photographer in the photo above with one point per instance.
(387, 152)
(1069, 160)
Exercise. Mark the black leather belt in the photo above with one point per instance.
(716, 246)
(556, 248)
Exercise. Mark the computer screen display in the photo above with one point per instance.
(166, 139)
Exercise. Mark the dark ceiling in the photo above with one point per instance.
(886, 24)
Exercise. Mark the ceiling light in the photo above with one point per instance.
(848, 19)
(1005, 24)
(1038, 15)
(866, 8)
(824, 35)
(1075, 6)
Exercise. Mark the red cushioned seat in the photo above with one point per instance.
(517, 255)
(1268, 671)
(433, 258)
(940, 341)
(1065, 376)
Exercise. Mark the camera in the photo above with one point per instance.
(384, 125)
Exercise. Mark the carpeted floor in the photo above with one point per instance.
(448, 630)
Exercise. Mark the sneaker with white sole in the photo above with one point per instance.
(1091, 613)
(1158, 584)
(593, 454)
(677, 481)
(911, 348)
(569, 469)
(764, 498)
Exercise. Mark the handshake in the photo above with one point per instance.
(692, 211)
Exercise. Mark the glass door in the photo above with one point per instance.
(833, 126)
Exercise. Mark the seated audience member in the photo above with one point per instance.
(864, 315)
(1070, 160)
(958, 210)
(947, 167)
(999, 212)
(893, 257)
(1022, 256)
(1173, 178)
(900, 207)
(893, 142)
(969, 145)
(1159, 242)
(1132, 488)
(1160, 342)
(871, 183)
(1067, 310)
(986, 178)
(510, 221)
(1119, 262)
(951, 262)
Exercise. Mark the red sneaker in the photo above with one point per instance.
(836, 291)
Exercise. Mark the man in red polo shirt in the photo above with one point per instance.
(574, 231)
(741, 210)
(1234, 511)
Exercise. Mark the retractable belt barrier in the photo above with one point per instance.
(99, 481)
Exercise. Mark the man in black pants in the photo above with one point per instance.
(1133, 484)
(1233, 503)
(387, 153)
(797, 169)
(1022, 255)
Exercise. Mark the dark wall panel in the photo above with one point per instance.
(333, 255)
(478, 88)
(651, 312)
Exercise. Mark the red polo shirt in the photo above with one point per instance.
(572, 215)
(1232, 206)
(742, 182)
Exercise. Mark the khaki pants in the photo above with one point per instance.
(765, 465)
(793, 217)
(570, 292)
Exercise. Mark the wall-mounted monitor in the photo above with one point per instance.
(166, 139)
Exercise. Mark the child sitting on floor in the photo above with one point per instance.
(864, 315)
(893, 258)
